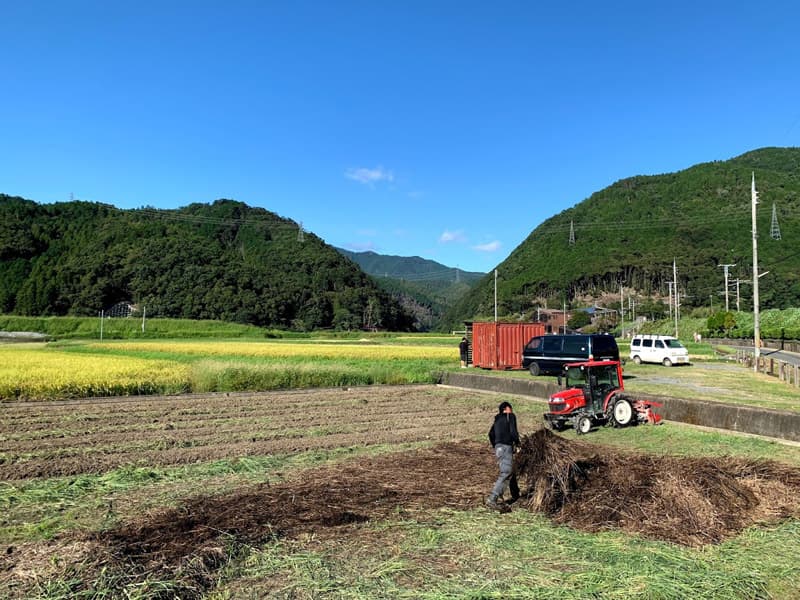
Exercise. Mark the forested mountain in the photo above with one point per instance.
(628, 234)
(426, 288)
(224, 261)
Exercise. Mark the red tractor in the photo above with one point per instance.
(593, 395)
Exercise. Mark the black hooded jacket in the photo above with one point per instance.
(504, 428)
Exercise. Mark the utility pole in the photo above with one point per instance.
(621, 314)
(495, 295)
(725, 268)
(756, 323)
(739, 281)
(675, 277)
(669, 283)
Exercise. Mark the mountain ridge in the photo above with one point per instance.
(627, 235)
(426, 288)
(225, 261)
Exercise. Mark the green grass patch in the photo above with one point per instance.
(240, 375)
(478, 554)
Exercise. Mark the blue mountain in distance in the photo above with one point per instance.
(425, 288)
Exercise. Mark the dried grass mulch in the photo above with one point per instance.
(688, 501)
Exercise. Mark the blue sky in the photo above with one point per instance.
(448, 130)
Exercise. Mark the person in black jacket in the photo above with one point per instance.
(503, 436)
(463, 350)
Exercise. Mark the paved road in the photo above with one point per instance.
(789, 357)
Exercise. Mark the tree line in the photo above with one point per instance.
(224, 261)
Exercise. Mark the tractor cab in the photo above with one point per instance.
(595, 380)
(591, 395)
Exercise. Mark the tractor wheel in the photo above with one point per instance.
(556, 425)
(637, 359)
(667, 362)
(622, 413)
(534, 369)
(583, 424)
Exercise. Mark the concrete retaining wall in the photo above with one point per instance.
(745, 419)
(538, 387)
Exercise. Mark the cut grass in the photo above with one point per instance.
(477, 554)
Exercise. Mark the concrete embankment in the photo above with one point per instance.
(780, 424)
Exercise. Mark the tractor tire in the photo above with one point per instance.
(534, 369)
(667, 362)
(556, 425)
(637, 359)
(622, 412)
(582, 424)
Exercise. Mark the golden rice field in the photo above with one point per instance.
(270, 349)
(36, 372)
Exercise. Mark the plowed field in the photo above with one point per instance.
(447, 465)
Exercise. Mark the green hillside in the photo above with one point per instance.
(628, 234)
(425, 288)
(224, 261)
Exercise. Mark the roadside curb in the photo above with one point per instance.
(781, 424)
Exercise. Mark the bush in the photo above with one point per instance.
(721, 323)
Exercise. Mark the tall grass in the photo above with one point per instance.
(130, 328)
(88, 328)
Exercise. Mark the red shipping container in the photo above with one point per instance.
(499, 345)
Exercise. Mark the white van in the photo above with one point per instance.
(663, 349)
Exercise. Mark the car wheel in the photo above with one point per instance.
(622, 414)
(667, 362)
(534, 369)
(637, 359)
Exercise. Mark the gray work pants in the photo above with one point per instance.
(505, 460)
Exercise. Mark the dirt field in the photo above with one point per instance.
(47, 439)
(700, 501)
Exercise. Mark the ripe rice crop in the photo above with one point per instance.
(158, 367)
(338, 351)
(35, 373)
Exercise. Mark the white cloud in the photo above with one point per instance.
(369, 176)
(361, 247)
(488, 247)
(452, 236)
